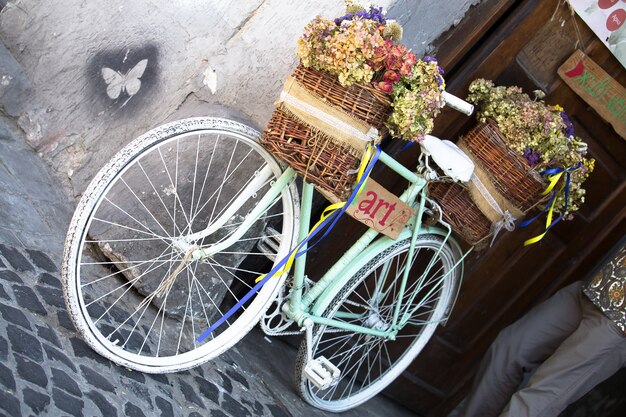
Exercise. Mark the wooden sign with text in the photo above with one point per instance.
(605, 95)
(379, 209)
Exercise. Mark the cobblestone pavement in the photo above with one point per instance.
(45, 367)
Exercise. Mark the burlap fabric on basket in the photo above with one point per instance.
(321, 129)
(503, 188)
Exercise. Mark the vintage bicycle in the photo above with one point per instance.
(173, 235)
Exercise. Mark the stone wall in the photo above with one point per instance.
(94, 75)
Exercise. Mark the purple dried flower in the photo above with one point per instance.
(533, 157)
(374, 13)
(569, 127)
(428, 58)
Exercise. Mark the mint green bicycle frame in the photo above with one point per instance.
(312, 303)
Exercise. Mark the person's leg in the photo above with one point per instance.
(594, 352)
(521, 347)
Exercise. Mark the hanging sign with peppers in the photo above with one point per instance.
(597, 88)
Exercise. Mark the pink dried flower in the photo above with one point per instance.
(384, 86)
(406, 69)
(393, 62)
(391, 76)
(410, 58)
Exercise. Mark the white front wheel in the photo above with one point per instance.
(132, 286)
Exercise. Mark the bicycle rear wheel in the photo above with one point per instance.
(369, 363)
(131, 286)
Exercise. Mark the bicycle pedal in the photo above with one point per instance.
(322, 373)
(269, 243)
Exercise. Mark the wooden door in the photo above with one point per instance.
(513, 43)
(519, 43)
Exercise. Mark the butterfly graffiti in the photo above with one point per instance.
(117, 83)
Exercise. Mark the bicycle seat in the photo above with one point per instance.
(452, 160)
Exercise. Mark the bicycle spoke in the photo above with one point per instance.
(191, 315)
(135, 220)
(158, 194)
(212, 302)
(131, 229)
(156, 317)
(145, 239)
(195, 173)
(221, 187)
(356, 364)
(134, 264)
(224, 282)
(142, 204)
(182, 207)
(118, 262)
(219, 190)
(162, 322)
(228, 269)
(135, 326)
(234, 197)
(128, 283)
(182, 325)
(206, 176)
(176, 231)
(206, 316)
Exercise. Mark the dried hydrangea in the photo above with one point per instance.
(543, 134)
(393, 30)
(359, 46)
(344, 50)
(416, 101)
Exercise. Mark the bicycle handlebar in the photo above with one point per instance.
(458, 104)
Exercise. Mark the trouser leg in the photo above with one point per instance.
(521, 347)
(594, 352)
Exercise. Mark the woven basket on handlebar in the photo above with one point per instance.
(509, 173)
(328, 164)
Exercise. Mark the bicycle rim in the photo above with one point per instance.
(132, 292)
(369, 363)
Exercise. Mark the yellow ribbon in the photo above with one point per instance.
(369, 153)
(554, 179)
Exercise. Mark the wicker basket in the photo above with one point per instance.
(509, 173)
(328, 164)
(460, 211)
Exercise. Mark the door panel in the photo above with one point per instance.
(523, 47)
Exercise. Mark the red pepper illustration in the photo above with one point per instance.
(577, 71)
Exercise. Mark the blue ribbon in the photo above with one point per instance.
(406, 146)
(330, 221)
(548, 172)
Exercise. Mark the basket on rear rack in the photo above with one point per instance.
(528, 157)
(507, 177)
